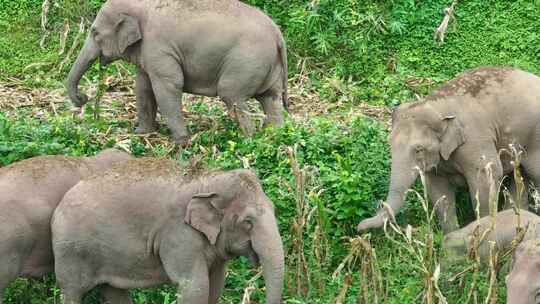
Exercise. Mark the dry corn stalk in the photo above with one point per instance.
(74, 45)
(63, 37)
(45, 6)
(302, 176)
(361, 253)
(440, 32)
(422, 252)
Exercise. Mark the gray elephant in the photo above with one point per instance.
(30, 190)
(205, 47)
(454, 133)
(457, 244)
(150, 222)
(522, 284)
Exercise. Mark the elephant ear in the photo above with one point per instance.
(204, 213)
(452, 136)
(129, 31)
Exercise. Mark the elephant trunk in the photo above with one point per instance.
(267, 244)
(401, 179)
(88, 55)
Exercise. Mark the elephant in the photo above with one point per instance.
(522, 284)
(30, 190)
(205, 47)
(455, 136)
(457, 244)
(150, 222)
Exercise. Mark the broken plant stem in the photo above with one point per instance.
(440, 32)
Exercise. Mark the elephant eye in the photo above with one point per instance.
(248, 223)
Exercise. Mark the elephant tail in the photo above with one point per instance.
(282, 47)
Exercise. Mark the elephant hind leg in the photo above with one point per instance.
(272, 103)
(245, 75)
(239, 109)
(113, 295)
(73, 277)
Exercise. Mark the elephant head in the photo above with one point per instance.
(522, 283)
(111, 34)
(420, 137)
(238, 219)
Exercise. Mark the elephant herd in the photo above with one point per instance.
(117, 222)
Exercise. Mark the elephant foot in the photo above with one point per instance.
(182, 141)
(146, 129)
(275, 121)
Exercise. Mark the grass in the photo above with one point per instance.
(324, 172)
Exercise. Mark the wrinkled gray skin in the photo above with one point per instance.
(213, 48)
(30, 190)
(453, 133)
(523, 282)
(147, 223)
(456, 245)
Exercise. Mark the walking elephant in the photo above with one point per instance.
(150, 222)
(30, 190)
(454, 133)
(213, 48)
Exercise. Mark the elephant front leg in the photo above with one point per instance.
(195, 288)
(168, 91)
(217, 281)
(146, 104)
(441, 193)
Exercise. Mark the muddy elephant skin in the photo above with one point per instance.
(455, 135)
(150, 222)
(205, 47)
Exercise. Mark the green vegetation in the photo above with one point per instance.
(346, 53)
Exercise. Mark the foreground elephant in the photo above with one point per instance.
(213, 48)
(30, 190)
(147, 223)
(457, 244)
(523, 284)
(459, 129)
